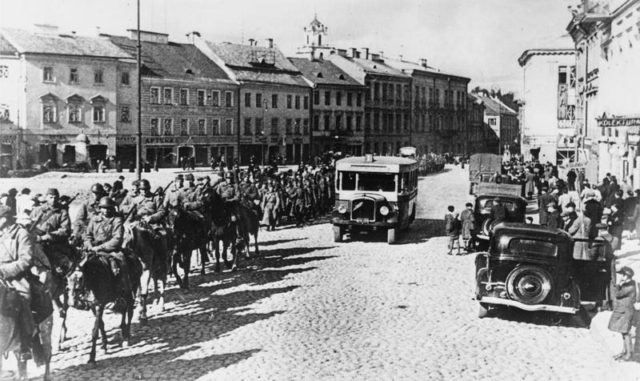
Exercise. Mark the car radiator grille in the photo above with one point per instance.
(363, 208)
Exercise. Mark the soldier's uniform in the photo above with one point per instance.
(192, 203)
(230, 193)
(52, 230)
(173, 197)
(88, 209)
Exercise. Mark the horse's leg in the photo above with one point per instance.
(186, 266)
(160, 290)
(216, 248)
(103, 333)
(255, 241)
(174, 267)
(144, 291)
(22, 368)
(203, 257)
(234, 251)
(97, 312)
(225, 257)
(63, 308)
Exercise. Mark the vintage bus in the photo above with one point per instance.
(374, 193)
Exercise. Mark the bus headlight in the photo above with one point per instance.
(384, 210)
(342, 209)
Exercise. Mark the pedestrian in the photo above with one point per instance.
(452, 228)
(543, 204)
(554, 219)
(468, 226)
(578, 226)
(622, 316)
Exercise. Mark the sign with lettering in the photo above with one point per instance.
(160, 140)
(7, 139)
(618, 121)
(131, 139)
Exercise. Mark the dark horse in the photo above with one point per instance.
(153, 253)
(191, 233)
(92, 285)
(248, 224)
(223, 229)
(41, 344)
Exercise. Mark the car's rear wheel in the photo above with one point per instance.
(529, 284)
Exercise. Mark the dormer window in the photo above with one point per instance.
(341, 77)
(319, 75)
(47, 74)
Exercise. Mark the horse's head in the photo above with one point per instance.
(174, 215)
(79, 297)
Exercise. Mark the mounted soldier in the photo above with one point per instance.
(191, 198)
(230, 193)
(173, 197)
(88, 209)
(249, 195)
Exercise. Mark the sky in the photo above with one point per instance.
(479, 39)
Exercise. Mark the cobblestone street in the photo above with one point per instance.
(310, 308)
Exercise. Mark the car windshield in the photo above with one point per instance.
(379, 182)
(487, 203)
(533, 246)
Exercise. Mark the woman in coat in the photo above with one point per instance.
(623, 311)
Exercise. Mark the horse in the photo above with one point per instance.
(248, 224)
(222, 229)
(10, 341)
(191, 234)
(92, 285)
(153, 254)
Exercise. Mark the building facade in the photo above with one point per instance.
(479, 136)
(549, 130)
(274, 101)
(64, 92)
(337, 107)
(503, 121)
(189, 105)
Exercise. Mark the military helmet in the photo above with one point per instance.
(144, 184)
(53, 192)
(97, 188)
(179, 177)
(189, 177)
(106, 202)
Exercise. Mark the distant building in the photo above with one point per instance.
(503, 121)
(274, 100)
(479, 137)
(549, 131)
(68, 94)
(337, 107)
(189, 105)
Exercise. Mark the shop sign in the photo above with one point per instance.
(618, 121)
(161, 140)
(7, 139)
(131, 139)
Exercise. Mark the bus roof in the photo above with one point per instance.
(379, 164)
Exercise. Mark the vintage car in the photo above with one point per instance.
(532, 268)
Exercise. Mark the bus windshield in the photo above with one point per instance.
(379, 182)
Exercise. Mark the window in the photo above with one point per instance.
(275, 126)
(154, 127)
(338, 98)
(259, 127)
(289, 101)
(184, 96)
(347, 180)
(98, 77)
(215, 127)
(259, 100)
(167, 95)
(359, 100)
(533, 246)
(297, 126)
(380, 182)
(228, 97)
(247, 126)
(297, 102)
(184, 127)
(562, 75)
(215, 98)
(305, 102)
(327, 123)
(327, 98)
(338, 122)
(492, 121)
(228, 126)
(274, 101)
(75, 113)
(201, 98)
(358, 123)
(168, 127)
(305, 126)
(125, 114)
(349, 99)
(73, 75)
(348, 121)
(124, 78)
(316, 97)
(202, 128)
(155, 95)
(47, 74)
(98, 113)
(247, 99)
(316, 122)
(288, 126)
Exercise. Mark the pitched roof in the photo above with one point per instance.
(323, 72)
(172, 60)
(527, 54)
(257, 64)
(376, 67)
(29, 42)
(5, 47)
(494, 106)
(409, 67)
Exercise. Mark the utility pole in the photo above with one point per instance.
(139, 138)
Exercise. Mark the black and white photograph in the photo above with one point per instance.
(319, 190)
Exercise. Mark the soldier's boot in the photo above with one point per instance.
(115, 268)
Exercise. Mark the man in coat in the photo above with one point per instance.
(578, 226)
(543, 204)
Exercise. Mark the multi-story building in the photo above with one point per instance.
(439, 102)
(548, 118)
(503, 121)
(68, 94)
(274, 100)
(189, 104)
(337, 106)
(479, 136)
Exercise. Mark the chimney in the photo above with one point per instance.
(423, 62)
(46, 28)
(354, 53)
(270, 43)
(251, 40)
(366, 53)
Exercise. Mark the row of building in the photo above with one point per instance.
(68, 98)
(582, 103)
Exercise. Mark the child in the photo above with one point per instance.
(452, 229)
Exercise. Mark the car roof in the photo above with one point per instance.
(501, 195)
(521, 229)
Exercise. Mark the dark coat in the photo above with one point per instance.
(622, 315)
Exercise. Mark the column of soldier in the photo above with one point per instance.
(39, 242)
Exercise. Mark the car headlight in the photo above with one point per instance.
(342, 209)
(384, 210)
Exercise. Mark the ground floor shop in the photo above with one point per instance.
(264, 153)
(63, 150)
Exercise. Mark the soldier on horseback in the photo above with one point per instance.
(88, 209)
(230, 193)
(249, 195)
(173, 197)
(104, 236)
(52, 228)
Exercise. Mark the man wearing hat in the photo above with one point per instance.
(622, 315)
(543, 204)
(16, 260)
(192, 198)
(52, 228)
(104, 235)
(147, 207)
(173, 197)
(88, 209)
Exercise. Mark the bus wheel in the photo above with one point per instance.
(337, 233)
(391, 236)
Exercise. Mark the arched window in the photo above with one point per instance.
(74, 109)
(99, 114)
(49, 109)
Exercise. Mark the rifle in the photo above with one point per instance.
(130, 213)
(164, 190)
